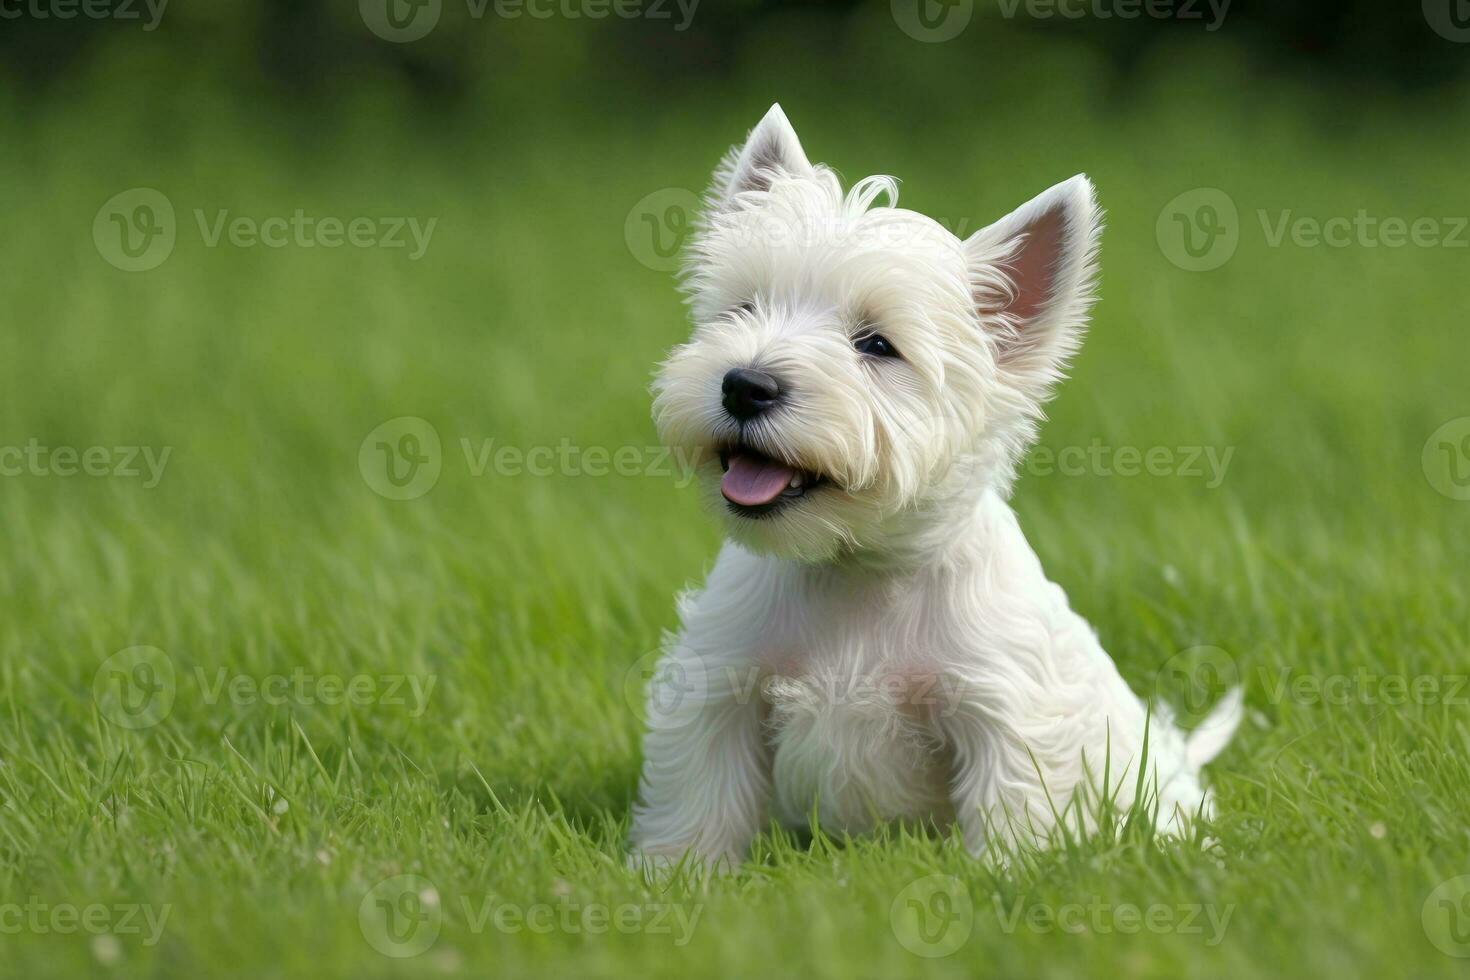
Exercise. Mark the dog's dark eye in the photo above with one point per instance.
(746, 309)
(875, 345)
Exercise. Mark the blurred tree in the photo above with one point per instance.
(299, 45)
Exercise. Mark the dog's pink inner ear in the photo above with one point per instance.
(1032, 274)
(1033, 268)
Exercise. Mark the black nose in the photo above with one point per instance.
(748, 393)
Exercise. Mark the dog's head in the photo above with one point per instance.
(854, 366)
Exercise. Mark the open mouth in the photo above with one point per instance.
(755, 485)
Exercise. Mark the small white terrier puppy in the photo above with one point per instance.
(877, 640)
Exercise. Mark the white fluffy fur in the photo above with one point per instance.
(888, 647)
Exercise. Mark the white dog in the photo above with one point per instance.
(877, 640)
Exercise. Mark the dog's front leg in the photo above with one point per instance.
(991, 776)
(706, 767)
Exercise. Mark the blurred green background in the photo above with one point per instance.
(549, 153)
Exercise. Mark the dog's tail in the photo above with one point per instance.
(1211, 736)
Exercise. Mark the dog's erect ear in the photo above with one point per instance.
(1032, 273)
(771, 149)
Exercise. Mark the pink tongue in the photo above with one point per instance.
(754, 480)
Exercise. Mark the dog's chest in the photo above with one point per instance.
(854, 724)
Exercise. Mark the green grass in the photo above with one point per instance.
(526, 600)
